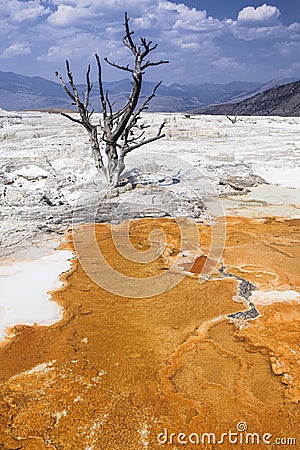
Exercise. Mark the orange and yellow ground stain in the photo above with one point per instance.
(115, 372)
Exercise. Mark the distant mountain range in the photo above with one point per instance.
(19, 92)
(279, 101)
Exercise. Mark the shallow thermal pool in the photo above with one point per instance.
(25, 286)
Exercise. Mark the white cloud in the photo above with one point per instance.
(80, 12)
(17, 12)
(200, 46)
(69, 16)
(262, 22)
(222, 62)
(227, 63)
(81, 45)
(16, 49)
(288, 48)
(54, 30)
(292, 71)
(62, 17)
(179, 31)
(264, 15)
(256, 33)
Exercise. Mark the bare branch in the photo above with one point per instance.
(71, 118)
(129, 108)
(129, 148)
(158, 63)
(81, 107)
(127, 39)
(74, 89)
(88, 88)
(233, 121)
(147, 101)
(119, 113)
(136, 138)
(161, 127)
(146, 141)
(147, 47)
(100, 82)
(109, 104)
(65, 86)
(91, 113)
(144, 106)
(118, 67)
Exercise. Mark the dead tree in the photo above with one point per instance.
(234, 120)
(121, 131)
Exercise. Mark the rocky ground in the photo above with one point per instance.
(48, 179)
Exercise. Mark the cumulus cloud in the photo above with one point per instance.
(81, 45)
(288, 48)
(289, 71)
(16, 11)
(262, 22)
(229, 66)
(264, 15)
(16, 49)
(225, 62)
(54, 30)
(258, 33)
(80, 12)
(64, 16)
(175, 27)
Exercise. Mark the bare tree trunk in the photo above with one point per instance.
(116, 169)
(112, 163)
(96, 150)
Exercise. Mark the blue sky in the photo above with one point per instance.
(205, 40)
